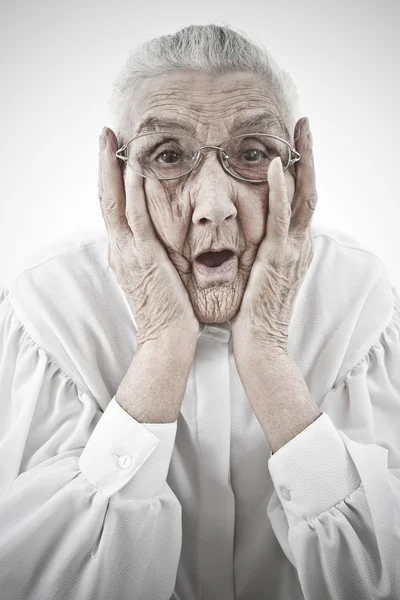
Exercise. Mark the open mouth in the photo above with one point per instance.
(214, 259)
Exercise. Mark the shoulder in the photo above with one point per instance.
(57, 272)
(345, 304)
(67, 298)
(341, 259)
(342, 242)
(61, 249)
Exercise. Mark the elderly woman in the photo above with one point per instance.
(203, 401)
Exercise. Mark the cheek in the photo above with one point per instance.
(252, 215)
(157, 198)
(167, 216)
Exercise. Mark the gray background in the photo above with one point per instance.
(58, 62)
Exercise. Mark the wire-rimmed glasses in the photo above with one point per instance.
(167, 155)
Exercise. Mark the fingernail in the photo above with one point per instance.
(104, 132)
(308, 124)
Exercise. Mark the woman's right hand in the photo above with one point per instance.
(154, 290)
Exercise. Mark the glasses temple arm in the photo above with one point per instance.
(122, 149)
(296, 156)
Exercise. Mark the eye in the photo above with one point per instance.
(253, 150)
(168, 156)
(253, 155)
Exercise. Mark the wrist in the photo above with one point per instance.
(154, 386)
(182, 343)
(249, 350)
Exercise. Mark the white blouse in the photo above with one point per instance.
(97, 506)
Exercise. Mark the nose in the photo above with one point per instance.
(212, 193)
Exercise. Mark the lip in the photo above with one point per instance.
(215, 249)
(223, 273)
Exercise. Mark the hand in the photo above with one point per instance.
(283, 257)
(153, 288)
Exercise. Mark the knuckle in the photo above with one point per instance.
(298, 235)
(133, 218)
(120, 242)
(138, 225)
(312, 200)
(119, 245)
(109, 205)
(284, 214)
(283, 218)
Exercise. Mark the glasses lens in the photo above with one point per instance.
(162, 155)
(249, 156)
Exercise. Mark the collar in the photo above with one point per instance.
(220, 332)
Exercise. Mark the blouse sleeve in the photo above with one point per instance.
(336, 513)
(85, 510)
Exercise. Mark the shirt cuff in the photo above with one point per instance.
(122, 450)
(313, 471)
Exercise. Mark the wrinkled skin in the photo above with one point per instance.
(208, 206)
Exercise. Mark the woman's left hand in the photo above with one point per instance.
(283, 258)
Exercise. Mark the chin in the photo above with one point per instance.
(217, 305)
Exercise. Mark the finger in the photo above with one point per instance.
(112, 192)
(279, 210)
(305, 199)
(102, 145)
(137, 212)
(300, 126)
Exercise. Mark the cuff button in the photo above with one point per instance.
(285, 493)
(124, 461)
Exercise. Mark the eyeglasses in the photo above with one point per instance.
(167, 155)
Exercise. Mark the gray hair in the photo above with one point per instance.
(211, 49)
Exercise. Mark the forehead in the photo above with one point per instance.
(191, 101)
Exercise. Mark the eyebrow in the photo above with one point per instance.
(260, 121)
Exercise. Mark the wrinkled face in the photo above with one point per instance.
(209, 208)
